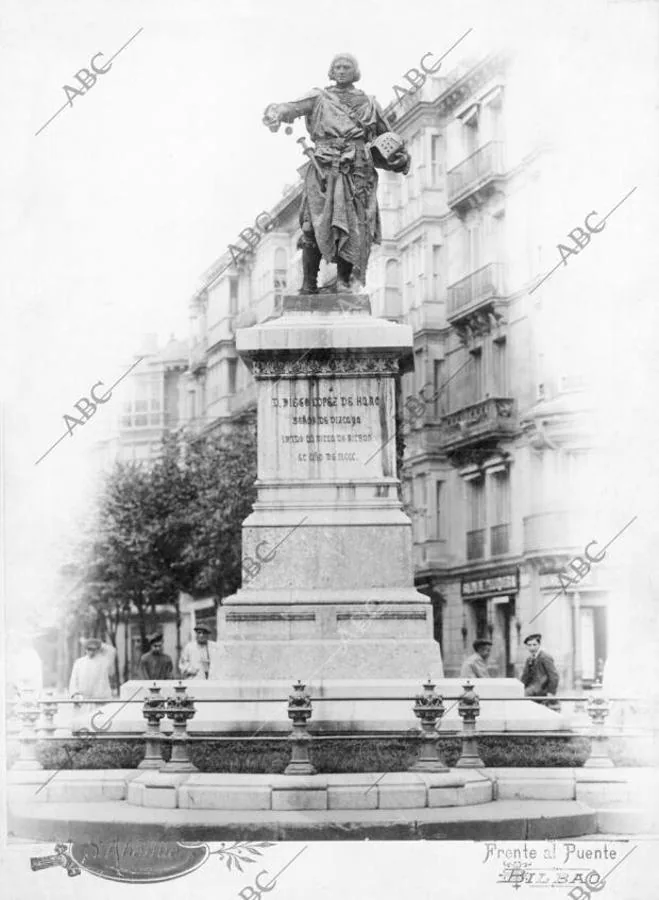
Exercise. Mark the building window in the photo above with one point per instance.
(492, 118)
(439, 510)
(233, 364)
(420, 504)
(144, 409)
(476, 376)
(470, 132)
(392, 295)
(593, 642)
(476, 520)
(500, 530)
(436, 271)
(473, 248)
(436, 146)
(439, 388)
(499, 368)
(408, 285)
(126, 418)
(233, 295)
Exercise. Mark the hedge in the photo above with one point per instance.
(369, 754)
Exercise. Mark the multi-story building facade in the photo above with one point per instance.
(495, 464)
(153, 403)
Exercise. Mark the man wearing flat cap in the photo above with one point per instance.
(196, 656)
(540, 678)
(339, 215)
(155, 665)
(475, 666)
(90, 678)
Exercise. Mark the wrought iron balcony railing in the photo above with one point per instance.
(475, 175)
(492, 418)
(476, 291)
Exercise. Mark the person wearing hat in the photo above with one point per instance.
(475, 666)
(540, 678)
(90, 678)
(155, 665)
(196, 656)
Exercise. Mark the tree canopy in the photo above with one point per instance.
(170, 526)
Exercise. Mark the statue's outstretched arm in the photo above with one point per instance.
(276, 113)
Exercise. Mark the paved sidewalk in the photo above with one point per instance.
(502, 820)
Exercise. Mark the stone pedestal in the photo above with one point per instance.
(328, 591)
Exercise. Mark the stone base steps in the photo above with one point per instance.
(597, 788)
(503, 820)
(510, 803)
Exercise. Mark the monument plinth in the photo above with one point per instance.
(328, 547)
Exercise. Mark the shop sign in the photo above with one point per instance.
(489, 585)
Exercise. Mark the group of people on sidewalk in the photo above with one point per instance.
(93, 675)
(539, 676)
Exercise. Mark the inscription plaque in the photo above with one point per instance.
(327, 429)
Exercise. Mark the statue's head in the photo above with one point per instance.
(344, 69)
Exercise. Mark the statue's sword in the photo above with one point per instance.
(307, 150)
(272, 120)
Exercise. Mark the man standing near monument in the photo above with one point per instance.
(155, 664)
(475, 666)
(540, 678)
(196, 656)
(339, 216)
(90, 678)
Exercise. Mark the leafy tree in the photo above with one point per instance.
(223, 468)
(171, 527)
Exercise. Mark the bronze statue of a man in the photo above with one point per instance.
(339, 217)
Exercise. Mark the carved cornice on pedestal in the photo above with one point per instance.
(326, 365)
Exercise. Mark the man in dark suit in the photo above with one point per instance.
(540, 678)
(155, 665)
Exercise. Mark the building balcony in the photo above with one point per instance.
(479, 423)
(499, 540)
(198, 356)
(476, 177)
(478, 292)
(476, 544)
(430, 555)
(555, 533)
(426, 316)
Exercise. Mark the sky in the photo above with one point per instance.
(111, 213)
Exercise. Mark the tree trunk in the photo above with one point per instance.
(126, 628)
(141, 612)
(111, 629)
(177, 604)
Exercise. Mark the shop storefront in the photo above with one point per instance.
(489, 612)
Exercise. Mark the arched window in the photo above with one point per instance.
(392, 292)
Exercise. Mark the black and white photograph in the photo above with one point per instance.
(328, 449)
